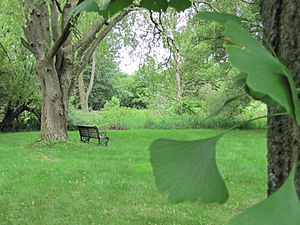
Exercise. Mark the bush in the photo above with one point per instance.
(112, 104)
(129, 118)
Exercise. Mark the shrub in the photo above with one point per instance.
(129, 118)
(112, 104)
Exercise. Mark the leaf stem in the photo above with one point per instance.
(251, 120)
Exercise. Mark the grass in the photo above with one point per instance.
(79, 183)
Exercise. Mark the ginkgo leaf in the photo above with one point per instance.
(263, 76)
(87, 5)
(224, 104)
(221, 18)
(180, 5)
(281, 208)
(155, 5)
(114, 7)
(188, 170)
(268, 80)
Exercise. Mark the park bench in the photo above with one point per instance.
(88, 132)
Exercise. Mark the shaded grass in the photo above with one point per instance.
(79, 183)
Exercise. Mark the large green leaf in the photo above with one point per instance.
(281, 208)
(219, 109)
(268, 79)
(155, 5)
(263, 76)
(114, 7)
(87, 5)
(188, 170)
(180, 5)
(221, 18)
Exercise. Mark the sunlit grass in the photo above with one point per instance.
(78, 183)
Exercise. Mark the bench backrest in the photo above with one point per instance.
(88, 131)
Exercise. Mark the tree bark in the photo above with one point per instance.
(84, 95)
(281, 22)
(54, 111)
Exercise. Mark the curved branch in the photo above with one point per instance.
(89, 52)
(89, 90)
(88, 38)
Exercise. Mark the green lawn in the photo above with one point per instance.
(78, 183)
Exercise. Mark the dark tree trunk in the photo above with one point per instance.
(281, 22)
(10, 115)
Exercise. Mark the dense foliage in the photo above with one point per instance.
(203, 68)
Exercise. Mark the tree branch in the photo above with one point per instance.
(58, 6)
(6, 53)
(34, 111)
(66, 31)
(90, 36)
(89, 90)
(28, 46)
(54, 20)
(89, 51)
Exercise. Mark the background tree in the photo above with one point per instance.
(84, 93)
(106, 77)
(18, 86)
(59, 59)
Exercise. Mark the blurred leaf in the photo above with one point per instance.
(155, 5)
(281, 208)
(114, 6)
(268, 80)
(180, 5)
(87, 5)
(263, 79)
(221, 18)
(224, 104)
(188, 170)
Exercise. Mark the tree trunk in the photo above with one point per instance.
(10, 115)
(54, 111)
(178, 76)
(84, 95)
(281, 22)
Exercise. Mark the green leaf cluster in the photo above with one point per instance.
(162, 5)
(108, 8)
(267, 79)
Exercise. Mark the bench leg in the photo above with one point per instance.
(103, 141)
(86, 139)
